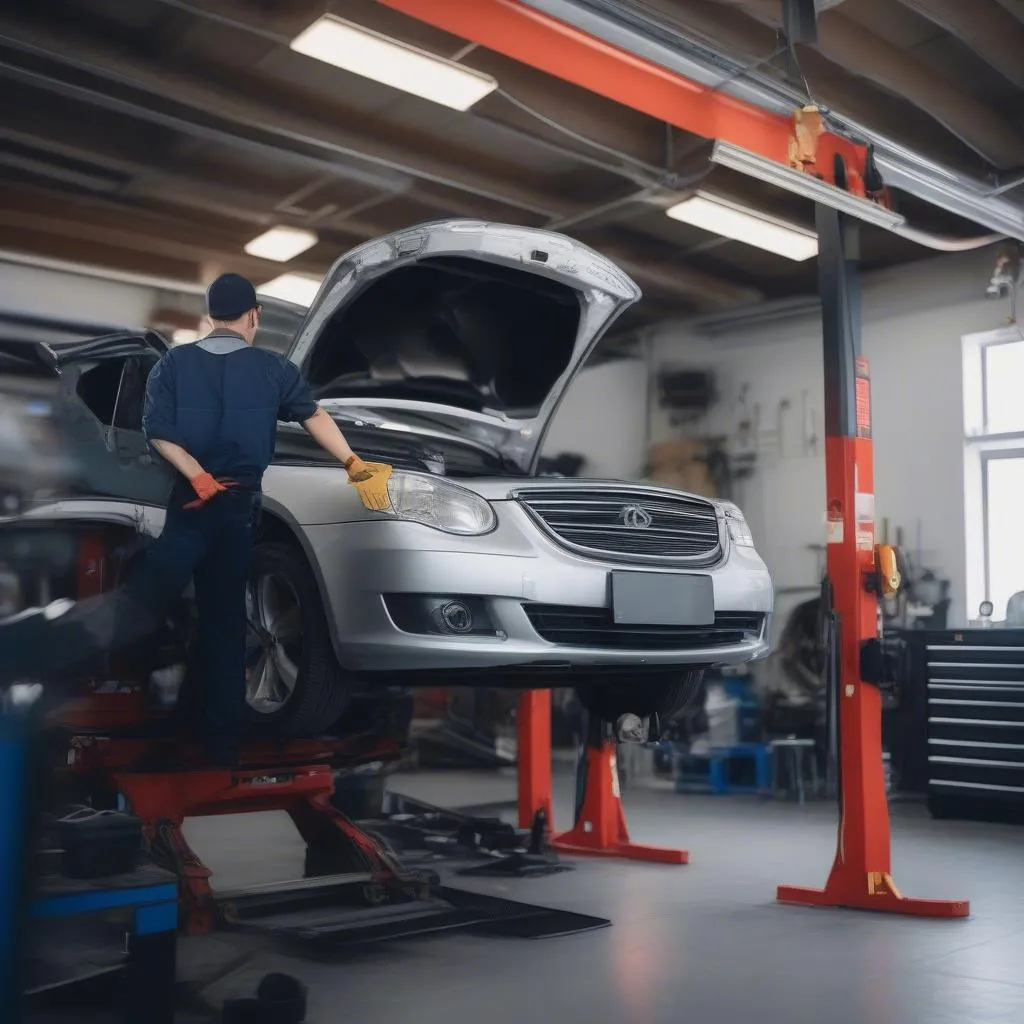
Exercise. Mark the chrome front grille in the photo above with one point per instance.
(631, 523)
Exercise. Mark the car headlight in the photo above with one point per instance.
(442, 505)
(739, 531)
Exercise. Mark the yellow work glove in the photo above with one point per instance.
(370, 479)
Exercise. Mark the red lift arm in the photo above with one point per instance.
(542, 42)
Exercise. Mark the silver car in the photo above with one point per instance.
(444, 350)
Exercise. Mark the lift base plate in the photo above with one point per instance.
(873, 891)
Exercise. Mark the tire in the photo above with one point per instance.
(311, 691)
(669, 696)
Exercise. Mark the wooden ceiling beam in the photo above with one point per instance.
(119, 226)
(990, 31)
(184, 99)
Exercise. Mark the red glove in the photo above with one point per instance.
(206, 486)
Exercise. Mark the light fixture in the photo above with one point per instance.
(281, 244)
(184, 335)
(372, 55)
(298, 288)
(725, 154)
(722, 217)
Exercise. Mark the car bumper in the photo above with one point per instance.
(362, 566)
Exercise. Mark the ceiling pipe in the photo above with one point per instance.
(945, 243)
(674, 50)
(1007, 186)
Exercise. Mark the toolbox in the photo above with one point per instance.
(99, 843)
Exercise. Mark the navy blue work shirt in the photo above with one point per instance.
(220, 399)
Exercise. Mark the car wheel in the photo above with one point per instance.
(294, 686)
(669, 696)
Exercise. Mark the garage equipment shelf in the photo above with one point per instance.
(150, 896)
(975, 722)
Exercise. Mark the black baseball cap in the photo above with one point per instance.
(229, 297)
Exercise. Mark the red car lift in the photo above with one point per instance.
(860, 876)
(297, 777)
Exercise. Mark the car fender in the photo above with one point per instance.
(288, 522)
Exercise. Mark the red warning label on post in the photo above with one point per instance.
(862, 397)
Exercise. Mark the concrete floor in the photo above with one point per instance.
(704, 943)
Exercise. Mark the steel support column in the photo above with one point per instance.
(860, 876)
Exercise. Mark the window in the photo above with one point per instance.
(994, 469)
(98, 388)
(1003, 476)
(1003, 386)
(131, 396)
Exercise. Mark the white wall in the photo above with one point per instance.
(603, 417)
(25, 289)
(914, 319)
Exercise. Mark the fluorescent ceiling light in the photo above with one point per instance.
(712, 213)
(385, 60)
(183, 335)
(281, 244)
(298, 288)
(725, 154)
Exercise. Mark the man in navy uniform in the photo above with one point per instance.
(211, 411)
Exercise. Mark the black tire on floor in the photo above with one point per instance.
(669, 696)
(322, 690)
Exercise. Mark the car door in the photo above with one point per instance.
(152, 478)
(103, 386)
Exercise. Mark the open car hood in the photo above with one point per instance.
(461, 326)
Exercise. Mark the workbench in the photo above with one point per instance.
(78, 934)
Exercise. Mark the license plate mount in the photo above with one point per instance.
(662, 599)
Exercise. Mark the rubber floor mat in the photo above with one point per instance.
(334, 919)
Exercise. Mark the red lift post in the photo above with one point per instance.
(600, 828)
(533, 757)
(860, 876)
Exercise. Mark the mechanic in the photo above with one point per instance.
(211, 412)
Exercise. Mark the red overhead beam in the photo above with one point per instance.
(533, 38)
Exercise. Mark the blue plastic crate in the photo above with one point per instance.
(717, 777)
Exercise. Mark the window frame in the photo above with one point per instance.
(989, 456)
(981, 447)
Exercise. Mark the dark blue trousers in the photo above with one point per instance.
(211, 546)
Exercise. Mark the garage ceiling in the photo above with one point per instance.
(159, 136)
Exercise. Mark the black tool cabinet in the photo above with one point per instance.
(966, 698)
